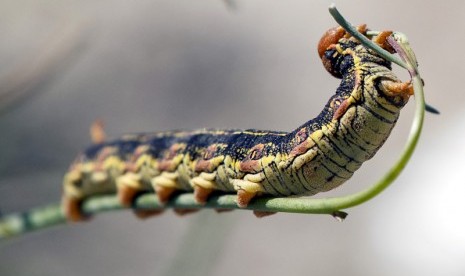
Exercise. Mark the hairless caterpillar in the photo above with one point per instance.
(317, 156)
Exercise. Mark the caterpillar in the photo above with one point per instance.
(317, 156)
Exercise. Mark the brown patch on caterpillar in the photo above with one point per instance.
(252, 164)
(131, 164)
(341, 109)
(171, 158)
(72, 209)
(302, 144)
(209, 162)
(204, 166)
(102, 156)
(300, 136)
(210, 151)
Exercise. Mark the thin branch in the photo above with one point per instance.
(52, 215)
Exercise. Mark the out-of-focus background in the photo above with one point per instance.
(165, 64)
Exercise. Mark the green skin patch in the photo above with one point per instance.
(317, 156)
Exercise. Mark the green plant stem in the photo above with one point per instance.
(52, 215)
(34, 219)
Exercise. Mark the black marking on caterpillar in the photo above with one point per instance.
(317, 156)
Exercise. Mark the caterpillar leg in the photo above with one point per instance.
(165, 186)
(72, 198)
(72, 209)
(129, 186)
(203, 185)
(201, 194)
(392, 88)
(246, 191)
(164, 193)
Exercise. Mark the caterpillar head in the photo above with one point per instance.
(335, 41)
(330, 48)
(329, 40)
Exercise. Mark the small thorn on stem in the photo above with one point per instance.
(339, 215)
(431, 109)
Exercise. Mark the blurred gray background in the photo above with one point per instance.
(158, 65)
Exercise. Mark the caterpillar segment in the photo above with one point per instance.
(317, 156)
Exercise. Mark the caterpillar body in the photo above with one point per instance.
(317, 156)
